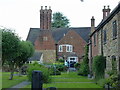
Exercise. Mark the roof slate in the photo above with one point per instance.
(59, 33)
(35, 57)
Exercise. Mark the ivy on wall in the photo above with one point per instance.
(99, 64)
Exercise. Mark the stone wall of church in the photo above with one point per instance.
(49, 56)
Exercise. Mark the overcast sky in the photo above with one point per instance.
(21, 15)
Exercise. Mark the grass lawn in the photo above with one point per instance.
(69, 81)
(6, 83)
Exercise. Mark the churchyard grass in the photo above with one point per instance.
(69, 80)
(6, 83)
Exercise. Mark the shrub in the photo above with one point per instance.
(45, 72)
(54, 71)
(84, 68)
(61, 60)
(111, 72)
(77, 66)
(61, 67)
(101, 82)
(99, 66)
(114, 80)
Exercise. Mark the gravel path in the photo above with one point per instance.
(22, 84)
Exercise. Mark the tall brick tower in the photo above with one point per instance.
(45, 18)
(45, 43)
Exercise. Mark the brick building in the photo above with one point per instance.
(59, 43)
(105, 39)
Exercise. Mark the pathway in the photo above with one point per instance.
(22, 84)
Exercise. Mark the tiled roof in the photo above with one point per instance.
(35, 57)
(59, 33)
(82, 31)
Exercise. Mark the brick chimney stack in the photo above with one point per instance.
(45, 18)
(92, 21)
(106, 12)
(92, 24)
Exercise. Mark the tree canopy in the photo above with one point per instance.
(59, 21)
(14, 51)
(10, 44)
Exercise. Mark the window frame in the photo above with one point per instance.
(60, 48)
(114, 29)
(69, 48)
(105, 36)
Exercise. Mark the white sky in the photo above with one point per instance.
(20, 15)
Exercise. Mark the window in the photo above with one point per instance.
(69, 48)
(114, 64)
(72, 58)
(105, 37)
(114, 30)
(95, 39)
(45, 38)
(60, 48)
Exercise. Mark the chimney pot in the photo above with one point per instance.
(45, 7)
(104, 7)
(92, 21)
(49, 7)
(41, 7)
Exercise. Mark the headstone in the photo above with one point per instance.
(37, 80)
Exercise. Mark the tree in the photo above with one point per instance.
(14, 52)
(10, 43)
(59, 21)
(10, 47)
(26, 50)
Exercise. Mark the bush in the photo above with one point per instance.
(111, 72)
(54, 71)
(99, 66)
(101, 82)
(61, 67)
(114, 81)
(45, 72)
(84, 69)
(77, 66)
(61, 60)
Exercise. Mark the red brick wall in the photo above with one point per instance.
(95, 47)
(42, 43)
(72, 38)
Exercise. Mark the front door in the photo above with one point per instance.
(71, 61)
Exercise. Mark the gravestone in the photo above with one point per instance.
(37, 80)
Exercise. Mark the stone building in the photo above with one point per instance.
(105, 39)
(59, 43)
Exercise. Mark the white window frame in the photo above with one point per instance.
(60, 48)
(69, 48)
(45, 38)
(76, 59)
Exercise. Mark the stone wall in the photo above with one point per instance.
(49, 56)
(112, 46)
